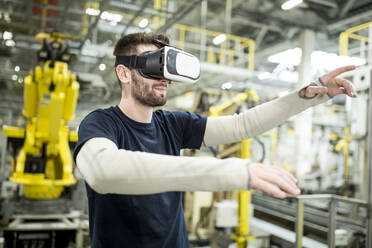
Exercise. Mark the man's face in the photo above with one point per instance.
(148, 92)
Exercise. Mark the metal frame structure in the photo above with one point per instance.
(51, 222)
(333, 199)
(343, 51)
(350, 33)
(230, 53)
(369, 225)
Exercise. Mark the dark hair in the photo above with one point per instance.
(127, 45)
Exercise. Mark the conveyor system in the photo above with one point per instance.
(349, 216)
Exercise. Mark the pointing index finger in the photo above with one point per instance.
(341, 70)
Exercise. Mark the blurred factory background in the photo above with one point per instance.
(251, 52)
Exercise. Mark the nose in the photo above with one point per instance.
(164, 81)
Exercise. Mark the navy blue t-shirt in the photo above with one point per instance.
(141, 221)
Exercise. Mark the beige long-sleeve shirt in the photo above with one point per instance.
(108, 169)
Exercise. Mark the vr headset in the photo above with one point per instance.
(167, 62)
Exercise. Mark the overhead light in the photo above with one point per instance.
(319, 59)
(264, 75)
(16, 68)
(111, 17)
(289, 76)
(283, 93)
(20, 80)
(290, 4)
(92, 12)
(10, 43)
(330, 61)
(226, 86)
(219, 39)
(14, 77)
(7, 35)
(288, 57)
(143, 23)
(102, 67)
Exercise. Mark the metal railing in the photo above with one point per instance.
(357, 33)
(225, 55)
(351, 33)
(333, 199)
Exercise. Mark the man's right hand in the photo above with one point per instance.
(273, 180)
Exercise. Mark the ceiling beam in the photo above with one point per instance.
(249, 22)
(271, 18)
(133, 7)
(260, 36)
(346, 8)
(325, 3)
(346, 22)
(94, 24)
(62, 15)
(138, 13)
(179, 14)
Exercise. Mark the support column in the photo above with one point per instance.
(203, 40)
(228, 21)
(303, 122)
(331, 223)
(3, 144)
(369, 208)
(299, 223)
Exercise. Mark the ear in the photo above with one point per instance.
(123, 74)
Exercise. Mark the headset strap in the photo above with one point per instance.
(131, 62)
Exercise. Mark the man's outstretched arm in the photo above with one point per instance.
(108, 169)
(228, 129)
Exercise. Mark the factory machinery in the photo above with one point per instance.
(336, 212)
(37, 205)
(269, 221)
(338, 216)
(318, 220)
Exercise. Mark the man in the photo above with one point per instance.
(129, 155)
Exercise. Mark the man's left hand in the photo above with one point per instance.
(332, 85)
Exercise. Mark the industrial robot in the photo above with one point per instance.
(42, 164)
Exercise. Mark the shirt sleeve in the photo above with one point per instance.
(95, 125)
(237, 127)
(109, 170)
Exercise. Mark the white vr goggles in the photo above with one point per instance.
(167, 62)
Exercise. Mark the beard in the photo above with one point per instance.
(145, 94)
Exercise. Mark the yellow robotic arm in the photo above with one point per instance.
(44, 164)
